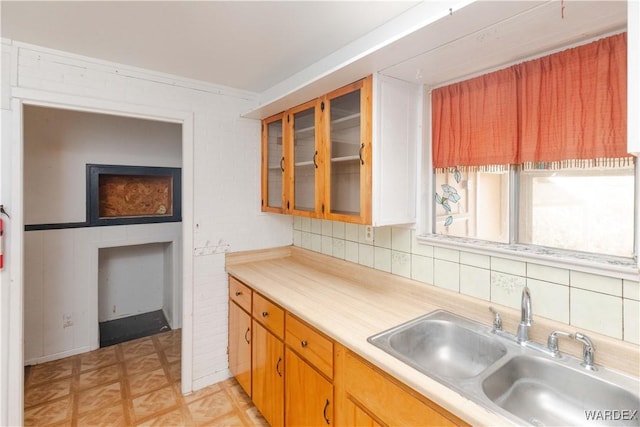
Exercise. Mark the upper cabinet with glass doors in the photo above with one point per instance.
(273, 178)
(339, 160)
(348, 151)
(303, 159)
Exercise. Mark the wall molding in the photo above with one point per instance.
(67, 58)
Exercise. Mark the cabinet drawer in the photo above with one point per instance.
(240, 293)
(310, 344)
(268, 314)
(389, 401)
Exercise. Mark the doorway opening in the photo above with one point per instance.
(79, 273)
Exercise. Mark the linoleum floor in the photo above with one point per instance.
(135, 383)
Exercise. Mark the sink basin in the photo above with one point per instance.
(544, 392)
(523, 383)
(442, 344)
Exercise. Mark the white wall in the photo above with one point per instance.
(61, 290)
(10, 323)
(225, 175)
(59, 143)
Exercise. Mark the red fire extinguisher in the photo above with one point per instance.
(1, 245)
(2, 212)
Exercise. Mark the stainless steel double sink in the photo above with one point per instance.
(521, 384)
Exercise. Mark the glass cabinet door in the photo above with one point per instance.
(272, 164)
(349, 152)
(304, 152)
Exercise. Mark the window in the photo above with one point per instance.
(535, 153)
(582, 209)
(473, 204)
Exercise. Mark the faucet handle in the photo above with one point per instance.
(588, 351)
(552, 341)
(497, 320)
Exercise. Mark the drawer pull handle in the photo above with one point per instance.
(245, 335)
(238, 293)
(278, 366)
(265, 314)
(324, 412)
(304, 343)
(360, 154)
(315, 163)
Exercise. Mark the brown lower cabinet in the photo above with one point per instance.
(268, 375)
(309, 395)
(366, 396)
(307, 379)
(240, 333)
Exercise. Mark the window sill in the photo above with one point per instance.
(618, 267)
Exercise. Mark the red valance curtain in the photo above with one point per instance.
(563, 109)
(573, 104)
(475, 122)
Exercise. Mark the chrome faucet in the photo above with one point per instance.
(588, 351)
(552, 341)
(522, 334)
(526, 317)
(497, 320)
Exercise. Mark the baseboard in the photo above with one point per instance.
(211, 379)
(56, 356)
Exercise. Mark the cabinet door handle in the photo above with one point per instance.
(245, 335)
(304, 343)
(278, 366)
(238, 293)
(324, 412)
(265, 314)
(314, 159)
(360, 154)
(282, 163)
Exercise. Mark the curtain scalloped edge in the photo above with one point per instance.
(478, 168)
(618, 162)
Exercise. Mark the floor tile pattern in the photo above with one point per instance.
(136, 383)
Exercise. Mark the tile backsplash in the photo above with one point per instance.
(607, 305)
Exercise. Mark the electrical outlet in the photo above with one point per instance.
(67, 320)
(368, 233)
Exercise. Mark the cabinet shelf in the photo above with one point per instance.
(308, 131)
(345, 159)
(307, 163)
(346, 122)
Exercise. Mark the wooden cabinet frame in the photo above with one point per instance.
(322, 184)
(368, 396)
(268, 374)
(366, 134)
(266, 207)
(318, 159)
(240, 345)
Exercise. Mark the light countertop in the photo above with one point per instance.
(349, 303)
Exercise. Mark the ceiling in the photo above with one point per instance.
(288, 52)
(248, 45)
